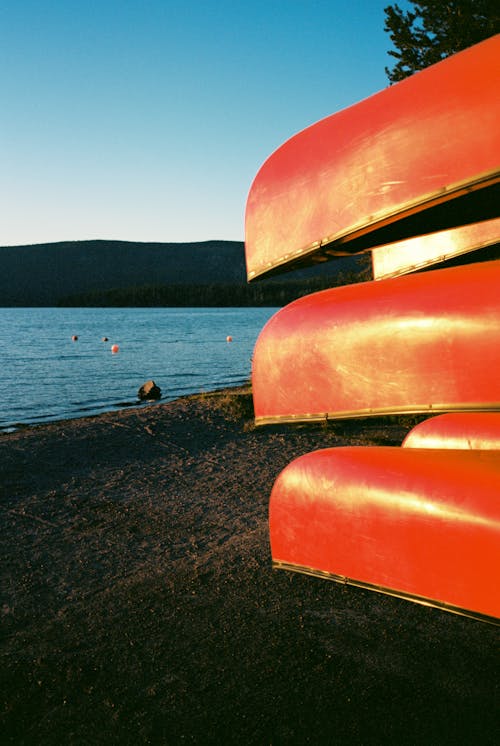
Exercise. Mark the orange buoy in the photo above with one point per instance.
(114, 349)
(74, 337)
(229, 339)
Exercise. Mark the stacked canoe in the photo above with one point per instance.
(411, 174)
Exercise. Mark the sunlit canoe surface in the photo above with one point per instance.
(419, 252)
(460, 430)
(422, 155)
(418, 343)
(421, 524)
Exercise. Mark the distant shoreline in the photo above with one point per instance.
(264, 294)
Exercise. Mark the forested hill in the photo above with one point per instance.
(123, 273)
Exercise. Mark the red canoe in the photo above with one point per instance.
(419, 524)
(417, 253)
(418, 343)
(469, 430)
(359, 178)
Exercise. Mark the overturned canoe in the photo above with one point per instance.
(420, 252)
(419, 524)
(418, 343)
(459, 430)
(420, 156)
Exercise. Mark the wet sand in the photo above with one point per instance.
(138, 603)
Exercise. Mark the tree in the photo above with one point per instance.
(434, 30)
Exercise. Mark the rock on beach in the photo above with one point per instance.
(149, 390)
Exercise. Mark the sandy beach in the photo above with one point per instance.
(139, 605)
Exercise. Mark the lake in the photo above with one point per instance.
(46, 376)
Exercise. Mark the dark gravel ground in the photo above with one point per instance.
(138, 603)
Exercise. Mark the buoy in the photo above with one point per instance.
(229, 339)
(114, 349)
(104, 339)
(74, 337)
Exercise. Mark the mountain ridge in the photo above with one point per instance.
(50, 274)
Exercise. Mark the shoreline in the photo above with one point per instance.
(139, 603)
(124, 406)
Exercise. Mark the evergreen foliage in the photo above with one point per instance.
(266, 293)
(436, 29)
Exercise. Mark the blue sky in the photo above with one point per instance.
(147, 120)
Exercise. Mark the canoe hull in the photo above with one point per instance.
(423, 525)
(459, 430)
(420, 252)
(419, 343)
(361, 177)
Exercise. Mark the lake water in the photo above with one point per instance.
(46, 376)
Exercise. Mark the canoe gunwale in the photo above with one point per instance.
(379, 412)
(440, 259)
(339, 244)
(421, 600)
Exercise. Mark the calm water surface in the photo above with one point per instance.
(46, 376)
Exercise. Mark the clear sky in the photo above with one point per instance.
(147, 120)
